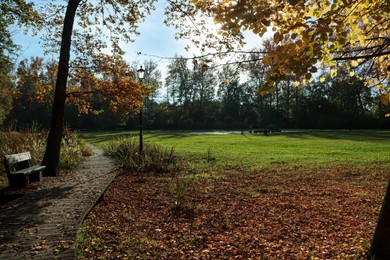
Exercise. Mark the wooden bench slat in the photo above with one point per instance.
(18, 157)
(29, 170)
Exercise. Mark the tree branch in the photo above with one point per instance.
(363, 56)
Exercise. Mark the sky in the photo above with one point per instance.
(155, 39)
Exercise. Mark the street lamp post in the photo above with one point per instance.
(141, 75)
(241, 118)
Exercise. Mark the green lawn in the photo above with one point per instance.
(304, 148)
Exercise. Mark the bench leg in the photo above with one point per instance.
(18, 181)
(36, 176)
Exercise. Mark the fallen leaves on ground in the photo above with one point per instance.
(39, 246)
(286, 213)
(61, 245)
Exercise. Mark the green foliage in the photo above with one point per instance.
(154, 158)
(72, 156)
(73, 151)
(80, 239)
(5, 86)
(5, 105)
(339, 102)
(11, 13)
(5, 83)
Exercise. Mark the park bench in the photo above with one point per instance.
(20, 171)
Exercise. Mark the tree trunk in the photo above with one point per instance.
(277, 99)
(380, 247)
(296, 114)
(52, 154)
(288, 100)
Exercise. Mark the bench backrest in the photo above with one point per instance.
(18, 161)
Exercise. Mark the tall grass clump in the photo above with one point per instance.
(73, 151)
(154, 158)
(24, 141)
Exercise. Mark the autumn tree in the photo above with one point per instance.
(307, 35)
(100, 27)
(33, 91)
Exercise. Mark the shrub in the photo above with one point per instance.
(154, 158)
(73, 151)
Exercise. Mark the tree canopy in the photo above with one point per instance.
(308, 35)
(11, 13)
(96, 65)
(15, 12)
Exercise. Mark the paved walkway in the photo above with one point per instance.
(43, 223)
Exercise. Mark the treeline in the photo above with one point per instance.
(200, 95)
(227, 98)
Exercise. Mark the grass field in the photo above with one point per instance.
(306, 148)
(302, 195)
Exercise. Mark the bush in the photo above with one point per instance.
(73, 150)
(154, 158)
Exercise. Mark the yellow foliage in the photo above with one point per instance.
(333, 73)
(266, 61)
(306, 33)
(354, 63)
(385, 99)
(265, 89)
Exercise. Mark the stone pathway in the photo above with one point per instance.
(42, 224)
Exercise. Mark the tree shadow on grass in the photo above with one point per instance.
(353, 135)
